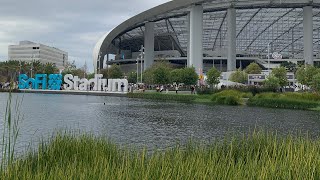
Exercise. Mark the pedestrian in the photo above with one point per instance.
(161, 88)
(177, 89)
(122, 87)
(192, 89)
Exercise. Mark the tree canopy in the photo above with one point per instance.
(213, 76)
(253, 68)
(305, 74)
(272, 83)
(10, 70)
(239, 77)
(315, 84)
(113, 72)
(158, 73)
(132, 77)
(189, 76)
(281, 74)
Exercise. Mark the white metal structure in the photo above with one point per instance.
(230, 29)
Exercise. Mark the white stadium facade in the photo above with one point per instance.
(227, 34)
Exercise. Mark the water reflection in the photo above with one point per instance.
(143, 123)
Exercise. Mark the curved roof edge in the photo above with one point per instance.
(104, 42)
(96, 50)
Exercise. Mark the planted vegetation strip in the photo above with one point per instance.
(159, 96)
(301, 101)
(9, 90)
(291, 95)
(282, 103)
(258, 156)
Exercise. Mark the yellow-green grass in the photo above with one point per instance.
(258, 156)
(315, 109)
(203, 99)
(303, 101)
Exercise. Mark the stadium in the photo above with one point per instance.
(227, 34)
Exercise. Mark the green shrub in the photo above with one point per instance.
(230, 97)
(219, 99)
(232, 100)
(204, 91)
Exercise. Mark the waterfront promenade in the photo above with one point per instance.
(90, 93)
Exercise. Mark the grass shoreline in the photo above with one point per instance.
(256, 156)
(300, 101)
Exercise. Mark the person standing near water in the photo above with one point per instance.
(122, 87)
(192, 89)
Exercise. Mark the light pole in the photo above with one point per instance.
(269, 57)
(141, 68)
(31, 68)
(19, 67)
(142, 57)
(137, 68)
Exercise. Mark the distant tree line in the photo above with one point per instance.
(10, 70)
(161, 73)
(305, 75)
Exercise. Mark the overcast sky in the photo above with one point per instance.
(70, 25)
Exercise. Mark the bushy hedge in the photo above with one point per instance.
(247, 89)
(159, 96)
(302, 101)
(230, 97)
(206, 91)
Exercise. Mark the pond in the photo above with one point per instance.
(145, 123)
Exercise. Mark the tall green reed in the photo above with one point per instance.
(10, 130)
(257, 155)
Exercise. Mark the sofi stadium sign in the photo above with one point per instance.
(70, 82)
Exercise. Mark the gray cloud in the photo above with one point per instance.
(71, 25)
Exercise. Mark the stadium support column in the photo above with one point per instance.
(188, 44)
(308, 34)
(148, 45)
(195, 54)
(101, 61)
(231, 37)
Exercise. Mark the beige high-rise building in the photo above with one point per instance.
(30, 51)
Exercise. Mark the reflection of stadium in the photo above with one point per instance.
(225, 33)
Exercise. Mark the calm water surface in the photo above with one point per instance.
(144, 123)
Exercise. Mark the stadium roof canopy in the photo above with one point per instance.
(258, 23)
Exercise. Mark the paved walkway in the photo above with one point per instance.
(92, 93)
